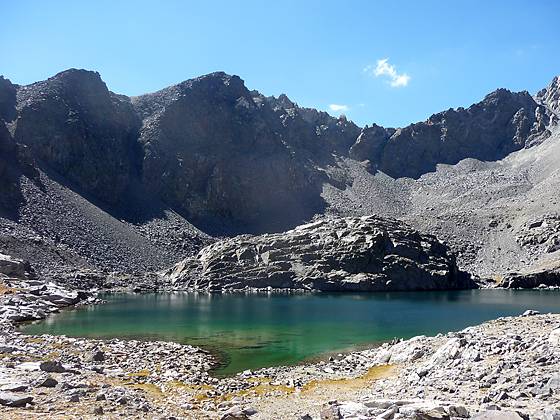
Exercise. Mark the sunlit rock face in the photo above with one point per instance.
(489, 130)
(351, 254)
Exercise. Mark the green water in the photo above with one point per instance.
(252, 331)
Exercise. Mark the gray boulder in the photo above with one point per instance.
(497, 415)
(14, 267)
(335, 254)
(46, 382)
(52, 366)
(13, 400)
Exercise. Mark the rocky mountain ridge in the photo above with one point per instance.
(209, 152)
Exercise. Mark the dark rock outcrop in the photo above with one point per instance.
(217, 154)
(8, 93)
(371, 143)
(14, 162)
(489, 130)
(549, 277)
(313, 131)
(15, 267)
(338, 254)
(75, 126)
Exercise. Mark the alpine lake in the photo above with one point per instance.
(250, 331)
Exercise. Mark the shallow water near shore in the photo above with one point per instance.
(254, 331)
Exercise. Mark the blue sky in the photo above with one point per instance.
(438, 54)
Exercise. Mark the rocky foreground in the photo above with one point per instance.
(366, 253)
(503, 369)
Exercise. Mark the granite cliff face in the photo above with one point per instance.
(349, 254)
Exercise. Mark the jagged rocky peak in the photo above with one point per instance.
(282, 102)
(352, 254)
(501, 123)
(223, 156)
(8, 93)
(217, 87)
(550, 97)
(370, 143)
(75, 126)
(73, 84)
(315, 131)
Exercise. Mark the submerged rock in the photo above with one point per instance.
(367, 253)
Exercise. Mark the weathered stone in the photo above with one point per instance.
(352, 409)
(330, 411)
(235, 413)
(497, 415)
(530, 312)
(96, 356)
(17, 387)
(14, 267)
(374, 254)
(554, 337)
(13, 400)
(47, 382)
(52, 366)
(550, 414)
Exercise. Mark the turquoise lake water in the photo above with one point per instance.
(253, 331)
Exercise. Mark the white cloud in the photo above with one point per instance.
(339, 108)
(384, 69)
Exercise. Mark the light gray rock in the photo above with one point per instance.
(497, 415)
(15, 387)
(554, 337)
(235, 413)
(554, 382)
(367, 253)
(13, 400)
(530, 312)
(352, 409)
(550, 414)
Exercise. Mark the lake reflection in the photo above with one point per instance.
(252, 331)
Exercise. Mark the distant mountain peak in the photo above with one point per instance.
(550, 96)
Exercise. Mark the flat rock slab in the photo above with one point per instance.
(498, 415)
(13, 400)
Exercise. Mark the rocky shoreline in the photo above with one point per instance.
(506, 368)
